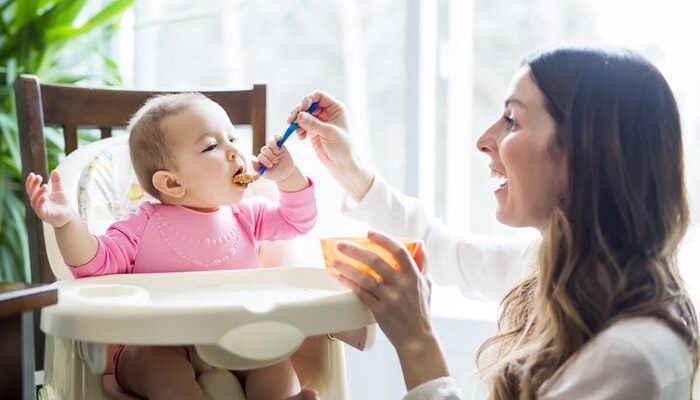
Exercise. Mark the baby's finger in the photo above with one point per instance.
(29, 184)
(38, 194)
(262, 159)
(41, 205)
(55, 181)
(254, 163)
(267, 152)
(33, 181)
(272, 143)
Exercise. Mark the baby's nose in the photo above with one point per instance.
(232, 154)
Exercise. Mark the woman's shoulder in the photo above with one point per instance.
(634, 357)
(648, 337)
(647, 340)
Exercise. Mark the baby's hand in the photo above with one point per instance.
(279, 162)
(51, 207)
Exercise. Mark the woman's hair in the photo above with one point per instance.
(609, 249)
(148, 145)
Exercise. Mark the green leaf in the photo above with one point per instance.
(113, 76)
(110, 13)
(9, 136)
(25, 11)
(8, 272)
(64, 13)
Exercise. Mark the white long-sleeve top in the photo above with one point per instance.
(639, 358)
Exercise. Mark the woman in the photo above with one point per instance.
(588, 150)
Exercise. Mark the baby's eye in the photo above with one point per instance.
(209, 148)
(233, 139)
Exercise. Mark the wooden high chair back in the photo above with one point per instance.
(73, 107)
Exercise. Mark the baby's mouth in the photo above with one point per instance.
(242, 178)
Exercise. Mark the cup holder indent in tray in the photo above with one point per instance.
(113, 293)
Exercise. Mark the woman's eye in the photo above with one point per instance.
(510, 123)
(210, 148)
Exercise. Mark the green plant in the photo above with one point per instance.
(48, 39)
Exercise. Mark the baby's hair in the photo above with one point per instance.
(148, 146)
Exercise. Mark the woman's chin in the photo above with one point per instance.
(507, 218)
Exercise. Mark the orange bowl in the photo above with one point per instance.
(329, 247)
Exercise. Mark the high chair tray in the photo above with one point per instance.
(256, 313)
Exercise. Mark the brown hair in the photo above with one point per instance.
(609, 250)
(148, 147)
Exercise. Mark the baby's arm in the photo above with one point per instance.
(76, 243)
(281, 167)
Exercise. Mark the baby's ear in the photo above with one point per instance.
(168, 183)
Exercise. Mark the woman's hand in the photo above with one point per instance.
(51, 207)
(400, 302)
(328, 131)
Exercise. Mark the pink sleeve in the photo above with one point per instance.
(117, 248)
(294, 215)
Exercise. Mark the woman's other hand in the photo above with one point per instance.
(400, 302)
(328, 131)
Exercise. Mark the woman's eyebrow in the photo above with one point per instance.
(513, 101)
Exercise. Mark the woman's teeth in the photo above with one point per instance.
(502, 181)
(500, 178)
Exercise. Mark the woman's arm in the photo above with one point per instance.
(421, 361)
(481, 266)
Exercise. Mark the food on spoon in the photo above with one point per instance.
(244, 178)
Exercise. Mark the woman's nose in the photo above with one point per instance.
(487, 142)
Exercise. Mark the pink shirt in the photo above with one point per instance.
(167, 238)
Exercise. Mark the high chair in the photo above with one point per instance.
(239, 319)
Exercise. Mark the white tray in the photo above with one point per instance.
(258, 316)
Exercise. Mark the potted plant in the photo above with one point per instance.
(61, 41)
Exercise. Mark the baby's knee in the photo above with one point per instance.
(168, 361)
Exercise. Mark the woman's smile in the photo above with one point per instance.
(501, 179)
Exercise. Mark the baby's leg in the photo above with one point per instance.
(158, 372)
(275, 382)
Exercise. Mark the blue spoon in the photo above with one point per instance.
(292, 127)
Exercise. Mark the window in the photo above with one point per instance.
(422, 79)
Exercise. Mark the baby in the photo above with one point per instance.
(184, 151)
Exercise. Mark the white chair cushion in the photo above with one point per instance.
(108, 189)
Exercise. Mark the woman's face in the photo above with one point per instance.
(530, 168)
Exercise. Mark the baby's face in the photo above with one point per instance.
(203, 145)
